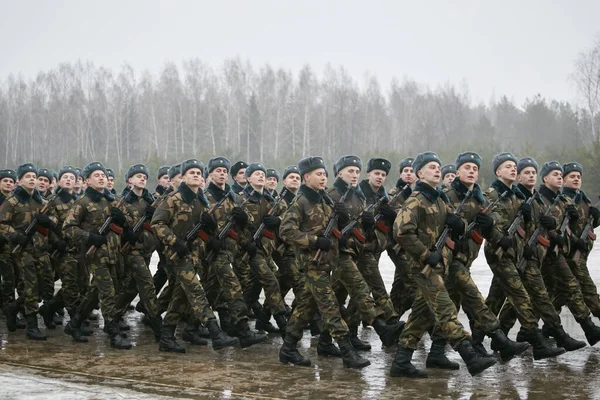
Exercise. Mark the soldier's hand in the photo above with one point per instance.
(181, 248)
(60, 245)
(526, 211)
(209, 223)
(342, 212)
(3, 241)
(240, 217)
(214, 245)
(557, 240)
(571, 211)
(96, 240)
(368, 220)
(130, 236)
(251, 249)
(20, 239)
(595, 213)
(528, 253)
(388, 212)
(433, 259)
(548, 222)
(149, 211)
(485, 222)
(323, 243)
(579, 244)
(117, 217)
(505, 243)
(44, 221)
(271, 221)
(455, 223)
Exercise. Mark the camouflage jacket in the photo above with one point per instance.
(176, 216)
(222, 215)
(58, 210)
(421, 221)
(547, 196)
(399, 200)
(258, 207)
(87, 215)
(583, 204)
(306, 219)
(134, 208)
(381, 232)
(159, 191)
(538, 208)
(17, 212)
(289, 197)
(237, 188)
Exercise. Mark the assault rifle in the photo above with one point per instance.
(351, 227)
(477, 237)
(588, 231)
(564, 227)
(515, 227)
(106, 224)
(332, 225)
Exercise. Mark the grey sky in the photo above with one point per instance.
(517, 48)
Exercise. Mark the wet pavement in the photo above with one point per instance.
(61, 369)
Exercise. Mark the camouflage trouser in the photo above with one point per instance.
(46, 282)
(223, 287)
(187, 289)
(347, 280)
(463, 291)
(586, 283)
(164, 298)
(32, 272)
(69, 294)
(103, 288)
(9, 273)
(542, 306)
(404, 288)
(84, 275)
(432, 303)
(507, 284)
(290, 276)
(317, 295)
(257, 274)
(139, 281)
(563, 286)
(368, 265)
(161, 276)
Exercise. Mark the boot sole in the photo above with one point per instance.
(325, 354)
(196, 342)
(172, 350)
(549, 355)
(479, 370)
(231, 343)
(439, 366)
(358, 366)
(301, 364)
(252, 343)
(573, 348)
(507, 356)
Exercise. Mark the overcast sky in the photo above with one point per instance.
(517, 48)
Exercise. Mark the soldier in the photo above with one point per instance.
(221, 283)
(271, 181)
(238, 174)
(8, 177)
(163, 182)
(110, 181)
(302, 227)
(81, 228)
(588, 216)
(448, 175)
(417, 228)
(16, 214)
(175, 176)
(44, 180)
(171, 222)
(77, 190)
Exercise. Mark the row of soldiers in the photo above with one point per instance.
(221, 245)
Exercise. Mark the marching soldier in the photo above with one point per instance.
(271, 181)
(110, 179)
(8, 272)
(238, 174)
(44, 181)
(448, 175)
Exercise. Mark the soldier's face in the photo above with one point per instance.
(52, 184)
(164, 181)
(507, 171)
(7, 185)
(97, 180)
(257, 179)
(193, 178)
(240, 177)
(110, 182)
(271, 183)
(67, 181)
(42, 183)
(350, 175)
(554, 180)
(572, 180)
(292, 181)
(448, 178)
(527, 177)
(468, 173)
(28, 181)
(377, 178)
(316, 179)
(407, 175)
(139, 181)
(430, 173)
(219, 176)
(79, 183)
(176, 181)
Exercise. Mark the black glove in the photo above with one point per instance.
(323, 243)
(251, 249)
(485, 223)
(341, 210)
(455, 223)
(130, 236)
(595, 213)
(579, 244)
(505, 243)
(558, 240)
(571, 211)
(388, 212)
(528, 253)
(180, 247)
(117, 217)
(44, 221)
(272, 222)
(526, 212)
(433, 260)
(150, 212)
(96, 240)
(240, 217)
(214, 245)
(368, 220)
(3, 241)
(60, 245)
(20, 239)
(548, 222)
(209, 223)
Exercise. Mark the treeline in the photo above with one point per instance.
(80, 112)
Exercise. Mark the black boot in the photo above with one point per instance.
(219, 338)
(10, 312)
(350, 357)
(316, 324)
(123, 326)
(359, 345)
(565, 341)
(437, 356)
(117, 339)
(263, 319)
(387, 333)
(507, 348)
(73, 328)
(592, 332)
(155, 324)
(139, 307)
(21, 322)
(57, 319)
(401, 366)
(167, 340)
(289, 354)
(546, 331)
(281, 322)
(47, 313)
(247, 336)
(477, 337)
(326, 348)
(541, 347)
(225, 321)
(86, 328)
(192, 335)
(33, 332)
(203, 332)
(475, 362)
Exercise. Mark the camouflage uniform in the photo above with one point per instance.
(8, 268)
(161, 276)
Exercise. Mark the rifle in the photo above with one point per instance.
(381, 225)
(138, 225)
(486, 210)
(227, 227)
(261, 228)
(564, 227)
(588, 230)
(331, 225)
(29, 230)
(514, 227)
(443, 239)
(351, 227)
(106, 224)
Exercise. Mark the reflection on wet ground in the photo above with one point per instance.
(59, 368)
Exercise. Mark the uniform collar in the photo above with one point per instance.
(430, 193)
(461, 190)
(21, 194)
